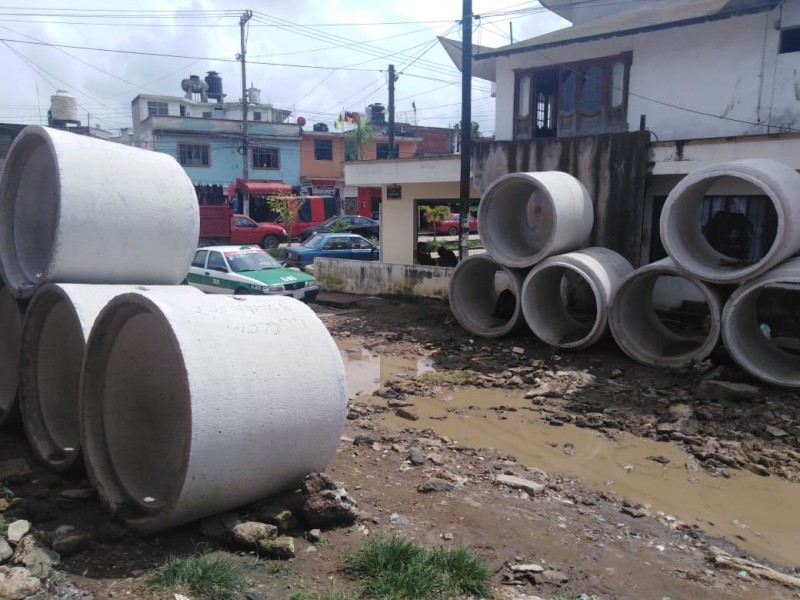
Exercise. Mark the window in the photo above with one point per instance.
(256, 116)
(206, 115)
(157, 108)
(216, 262)
(200, 258)
(790, 40)
(323, 149)
(266, 158)
(183, 110)
(244, 222)
(383, 151)
(193, 155)
(572, 99)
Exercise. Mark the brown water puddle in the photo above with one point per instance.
(758, 513)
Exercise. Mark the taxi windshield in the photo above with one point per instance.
(251, 261)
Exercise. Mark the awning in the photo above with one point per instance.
(263, 188)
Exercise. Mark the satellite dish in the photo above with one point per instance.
(301, 121)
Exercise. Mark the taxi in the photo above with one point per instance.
(247, 270)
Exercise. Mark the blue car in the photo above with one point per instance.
(348, 246)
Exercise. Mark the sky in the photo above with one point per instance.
(313, 57)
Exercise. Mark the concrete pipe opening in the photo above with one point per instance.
(12, 314)
(197, 406)
(565, 297)
(761, 330)
(484, 296)
(58, 322)
(526, 217)
(706, 224)
(81, 210)
(660, 317)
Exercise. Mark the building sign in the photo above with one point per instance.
(393, 192)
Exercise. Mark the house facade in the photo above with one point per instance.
(204, 134)
(635, 95)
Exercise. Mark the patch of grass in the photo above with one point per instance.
(457, 377)
(5, 492)
(280, 569)
(198, 576)
(398, 568)
(330, 595)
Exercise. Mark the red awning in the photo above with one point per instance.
(262, 187)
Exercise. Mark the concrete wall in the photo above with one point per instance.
(310, 167)
(690, 68)
(374, 278)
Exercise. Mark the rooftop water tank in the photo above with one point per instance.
(63, 106)
(254, 95)
(214, 82)
(320, 127)
(376, 114)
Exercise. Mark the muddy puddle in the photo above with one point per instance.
(757, 513)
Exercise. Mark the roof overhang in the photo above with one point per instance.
(484, 69)
(263, 187)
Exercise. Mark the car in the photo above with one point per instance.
(450, 225)
(363, 226)
(247, 270)
(348, 246)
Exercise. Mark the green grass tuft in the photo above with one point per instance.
(397, 568)
(198, 576)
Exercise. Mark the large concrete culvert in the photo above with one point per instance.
(565, 297)
(689, 246)
(637, 312)
(76, 209)
(59, 319)
(484, 296)
(526, 217)
(197, 406)
(12, 314)
(760, 327)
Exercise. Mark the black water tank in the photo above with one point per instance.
(376, 114)
(214, 82)
(320, 127)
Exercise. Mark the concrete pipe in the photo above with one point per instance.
(526, 217)
(684, 238)
(197, 405)
(58, 321)
(565, 297)
(484, 296)
(643, 335)
(759, 325)
(77, 209)
(12, 313)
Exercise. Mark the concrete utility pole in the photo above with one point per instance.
(246, 16)
(392, 78)
(466, 127)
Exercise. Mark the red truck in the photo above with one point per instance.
(313, 210)
(219, 226)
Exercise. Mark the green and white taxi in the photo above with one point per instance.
(247, 270)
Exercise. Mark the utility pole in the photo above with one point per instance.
(392, 78)
(246, 16)
(466, 127)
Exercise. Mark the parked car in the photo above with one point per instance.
(247, 270)
(363, 226)
(347, 246)
(451, 224)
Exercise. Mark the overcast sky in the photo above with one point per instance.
(313, 57)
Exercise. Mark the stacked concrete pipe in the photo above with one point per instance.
(75, 209)
(753, 349)
(199, 405)
(526, 217)
(545, 294)
(12, 313)
(640, 333)
(57, 325)
(683, 237)
(474, 288)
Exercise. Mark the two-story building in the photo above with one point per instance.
(204, 133)
(635, 95)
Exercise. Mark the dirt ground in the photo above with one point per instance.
(542, 534)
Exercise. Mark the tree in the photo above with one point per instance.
(286, 207)
(357, 139)
(437, 214)
(476, 132)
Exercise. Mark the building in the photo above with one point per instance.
(204, 134)
(635, 95)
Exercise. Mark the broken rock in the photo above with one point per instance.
(326, 503)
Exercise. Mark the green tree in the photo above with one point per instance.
(437, 214)
(357, 139)
(476, 129)
(286, 207)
